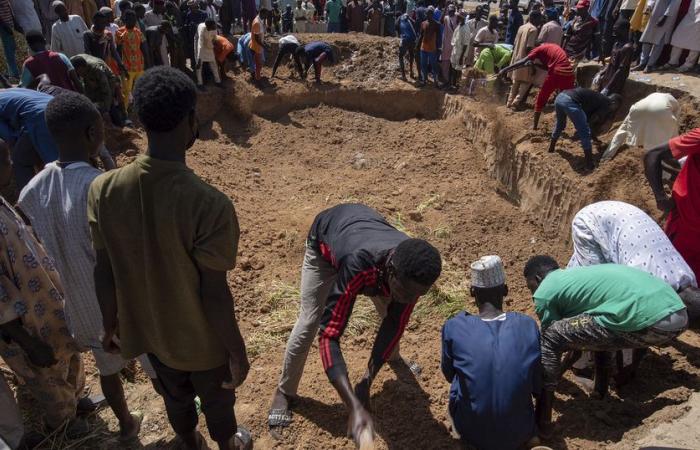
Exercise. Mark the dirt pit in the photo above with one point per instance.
(470, 177)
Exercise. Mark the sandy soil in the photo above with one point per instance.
(434, 178)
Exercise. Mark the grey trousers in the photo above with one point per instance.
(317, 278)
(582, 332)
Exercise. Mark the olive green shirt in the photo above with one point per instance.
(160, 223)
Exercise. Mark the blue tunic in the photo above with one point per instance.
(494, 367)
(22, 111)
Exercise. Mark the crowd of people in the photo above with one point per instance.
(82, 250)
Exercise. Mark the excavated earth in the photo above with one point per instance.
(461, 171)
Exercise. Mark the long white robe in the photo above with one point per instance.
(460, 40)
(661, 35)
(650, 122)
(687, 34)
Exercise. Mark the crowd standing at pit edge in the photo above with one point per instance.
(71, 281)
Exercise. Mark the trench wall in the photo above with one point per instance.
(526, 177)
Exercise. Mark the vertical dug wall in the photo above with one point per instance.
(533, 179)
(541, 184)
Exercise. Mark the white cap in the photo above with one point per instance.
(487, 272)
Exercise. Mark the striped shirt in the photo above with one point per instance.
(55, 201)
(357, 241)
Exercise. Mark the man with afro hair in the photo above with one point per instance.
(164, 240)
(352, 250)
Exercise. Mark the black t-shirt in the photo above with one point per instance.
(591, 102)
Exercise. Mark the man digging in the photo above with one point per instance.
(351, 250)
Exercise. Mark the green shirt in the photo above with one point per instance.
(160, 223)
(620, 298)
(333, 10)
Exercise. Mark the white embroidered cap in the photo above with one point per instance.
(488, 272)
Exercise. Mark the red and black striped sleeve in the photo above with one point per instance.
(353, 277)
(389, 334)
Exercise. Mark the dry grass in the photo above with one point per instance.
(429, 203)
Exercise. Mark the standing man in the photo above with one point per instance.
(56, 66)
(299, 18)
(67, 31)
(515, 21)
(257, 42)
(133, 49)
(460, 44)
(55, 201)
(657, 33)
(36, 344)
(551, 32)
(333, 15)
(183, 319)
(686, 37)
(427, 41)
(492, 360)
(560, 73)
(487, 36)
(589, 111)
(525, 41)
(352, 250)
(9, 45)
(204, 51)
(601, 308)
(193, 18)
(407, 32)
(449, 24)
(683, 208)
(581, 35)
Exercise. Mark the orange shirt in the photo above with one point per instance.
(222, 48)
(256, 30)
(430, 33)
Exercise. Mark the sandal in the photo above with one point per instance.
(242, 440)
(279, 418)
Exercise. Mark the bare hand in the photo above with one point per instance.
(362, 393)
(41, 354)
(358, 421)
(665, 204)
(108, 343)
(239, 367)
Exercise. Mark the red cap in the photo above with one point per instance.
(583, 4)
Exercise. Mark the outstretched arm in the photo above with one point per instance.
(652, 170)
(516, 65)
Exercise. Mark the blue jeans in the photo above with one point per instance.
(334, 27)
(428, 59)
(565, 107)
(9, 47)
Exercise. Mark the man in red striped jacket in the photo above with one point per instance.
(351, 249)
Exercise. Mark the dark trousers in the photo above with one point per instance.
(582, 332)
(179, 388)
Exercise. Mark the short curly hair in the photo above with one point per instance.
(417, 260)
(163, 97)
(70, 113)
(539, 265)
